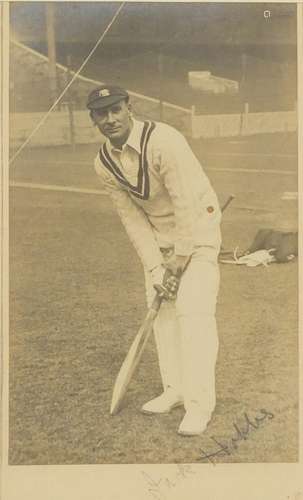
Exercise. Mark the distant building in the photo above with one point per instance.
(210, 84)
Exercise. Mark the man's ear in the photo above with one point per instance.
(130, 109)
(91, 115)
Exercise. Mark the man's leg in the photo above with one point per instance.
(196, 307)
(167, 337)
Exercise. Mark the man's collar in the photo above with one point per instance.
(134, 137)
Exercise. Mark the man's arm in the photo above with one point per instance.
(134, 220)
(191, 194)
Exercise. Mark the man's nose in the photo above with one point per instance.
(110, 117)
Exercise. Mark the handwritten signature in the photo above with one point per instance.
(159, 487)
(242, 432)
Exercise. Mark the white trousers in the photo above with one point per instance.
(186, 332)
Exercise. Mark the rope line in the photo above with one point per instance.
(44, 118)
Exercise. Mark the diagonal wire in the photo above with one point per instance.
(43, 119)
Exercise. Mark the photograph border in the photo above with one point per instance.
(115, 482)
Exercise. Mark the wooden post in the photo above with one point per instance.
(244, 118)
(70, 106)
(51, 49)
(243, 77)
(160, 73)
(242, 96)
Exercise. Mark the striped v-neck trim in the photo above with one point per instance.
(141, 190)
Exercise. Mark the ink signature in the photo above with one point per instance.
(159, 487)
(242, 432)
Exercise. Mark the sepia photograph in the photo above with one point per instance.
(153, 235)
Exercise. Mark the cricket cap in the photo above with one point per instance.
(104, 96)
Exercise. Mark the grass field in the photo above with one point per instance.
(77, 300)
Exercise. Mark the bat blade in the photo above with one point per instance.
(133, 357)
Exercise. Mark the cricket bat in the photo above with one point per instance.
(133, 356)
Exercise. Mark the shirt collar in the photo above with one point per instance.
(134, 137)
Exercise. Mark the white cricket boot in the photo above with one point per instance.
(194, 422)
(168, 400)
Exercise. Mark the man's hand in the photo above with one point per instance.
(165, 283)
(176, 264)
(157, 275)
(169, 288)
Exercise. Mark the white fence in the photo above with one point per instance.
(242, 124)
(57, 130)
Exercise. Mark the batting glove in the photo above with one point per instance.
(168, 288)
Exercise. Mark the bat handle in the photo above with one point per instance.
(228, 201)
(156, 303)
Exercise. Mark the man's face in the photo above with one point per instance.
(114, 122)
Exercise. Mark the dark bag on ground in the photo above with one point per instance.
(285, 244)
